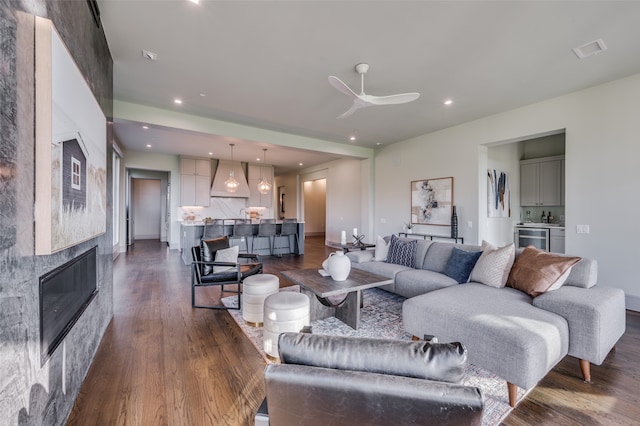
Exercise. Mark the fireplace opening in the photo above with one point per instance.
(65, 293)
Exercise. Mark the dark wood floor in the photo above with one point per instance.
(163, 363)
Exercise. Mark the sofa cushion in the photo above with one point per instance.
(460, 264)
(413, 282)
(501, 330)
(535, 271)
(438, 254)
(596, 318)
(402, 252)
(494, 265)
(209, 249)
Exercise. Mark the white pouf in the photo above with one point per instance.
(255, 289)
(284, 311)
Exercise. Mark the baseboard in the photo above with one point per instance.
(633, 303)
(314, 234)
(147, 237)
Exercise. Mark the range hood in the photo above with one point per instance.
(222, 174)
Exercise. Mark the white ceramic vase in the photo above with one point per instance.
(339, 266)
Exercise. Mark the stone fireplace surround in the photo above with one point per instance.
(32, 392)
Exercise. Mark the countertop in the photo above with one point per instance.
(539, 225)
(226, 222)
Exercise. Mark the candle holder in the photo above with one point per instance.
(357, 240)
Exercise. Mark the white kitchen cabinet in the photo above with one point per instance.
(195, 180)
(256, 199)
(541, 181)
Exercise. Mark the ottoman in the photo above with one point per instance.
(255, 289)
(283, 311)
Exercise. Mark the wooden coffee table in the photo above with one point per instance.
(319, 289)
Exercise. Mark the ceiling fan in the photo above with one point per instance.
(363, 100)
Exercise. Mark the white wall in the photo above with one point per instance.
(157, 162)
(147, 211)
(349, 195)
(602, 175)
(506, 158)
(315, 206)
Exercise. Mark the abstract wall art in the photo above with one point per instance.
(498, 194)
(432, 201)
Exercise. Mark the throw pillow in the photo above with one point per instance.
(402, 252)
(208, 249)
(535, 271)
(560, 281)
(494, 265)
(460, 264)
(382, 249)
(226, 255)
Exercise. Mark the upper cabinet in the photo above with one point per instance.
(542, 181)
(256, 199)
(195, 179)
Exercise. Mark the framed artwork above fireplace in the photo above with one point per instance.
(71, 132)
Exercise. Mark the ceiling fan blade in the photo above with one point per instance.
(401, 98)
(350, 111)
(339, 85)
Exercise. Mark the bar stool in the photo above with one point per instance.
(267, 228)
(289, 227)
(242, 228)
(213, 229)
(283, 311)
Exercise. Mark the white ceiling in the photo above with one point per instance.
(265, 64)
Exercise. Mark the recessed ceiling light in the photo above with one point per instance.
(211, 153)
(203, 94)
(149, 55)
(352, 138)
(301, 164)
(195, 1)
(148, 145)
(591, 48)
(177, 101)
(377, 143)
(145, 127)
(448, 101)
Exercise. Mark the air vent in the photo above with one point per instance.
(149, 55)
(591, 48)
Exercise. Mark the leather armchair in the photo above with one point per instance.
(329, 380)
(202, 269)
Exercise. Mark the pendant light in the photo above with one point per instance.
(264, 186)
(231, 184)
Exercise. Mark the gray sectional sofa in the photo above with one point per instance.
(506, 331)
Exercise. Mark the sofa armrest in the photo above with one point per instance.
(303, 395)
(360, 256)
(596, 317)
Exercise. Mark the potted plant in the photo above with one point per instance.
(409, 227)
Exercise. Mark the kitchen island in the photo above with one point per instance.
(190, 234)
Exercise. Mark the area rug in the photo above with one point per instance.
(381, 317)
